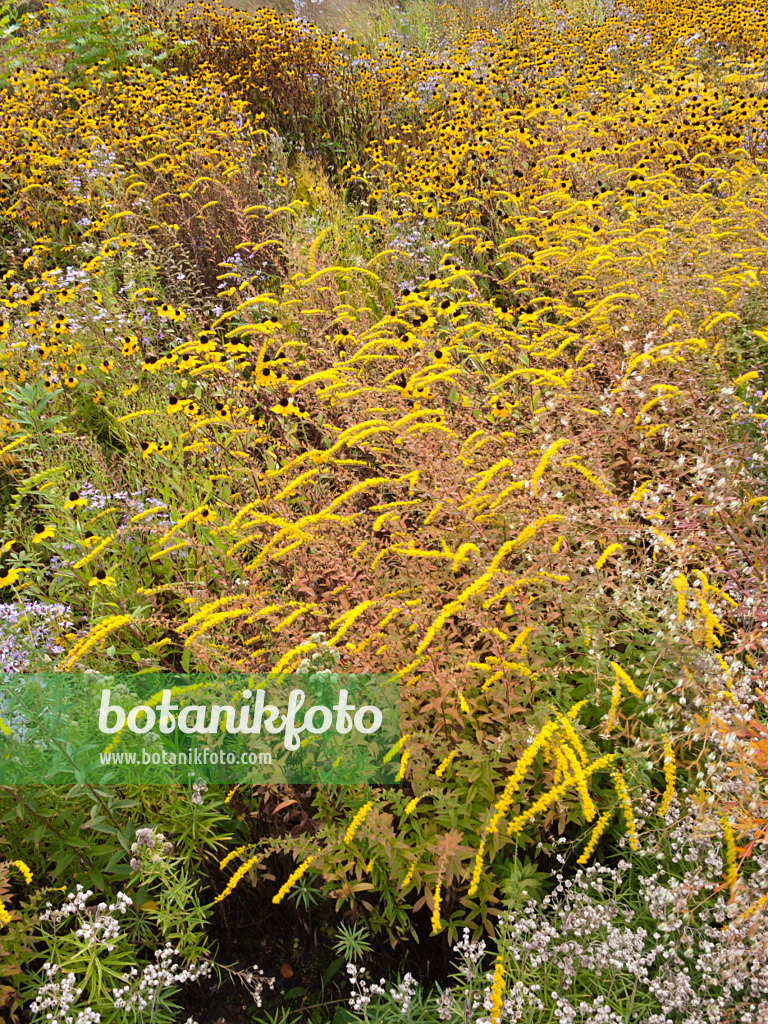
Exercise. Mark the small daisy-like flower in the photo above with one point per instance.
(80, 369)
(224, 412)
(43, 533)
(75, 501)
(206, 515)
(150, 363)
(97, 298)
(106, 365)
(440, 357)
(70, 382)
(100, 579)
(89, 539)
(147, 447)
(130, 391)
(97, 397)
(130, 341)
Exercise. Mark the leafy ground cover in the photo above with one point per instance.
(436, 347)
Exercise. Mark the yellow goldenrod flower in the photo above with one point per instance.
(230, 857)
(497, 990)
(757, 905)
(581, 783)
(597, 831)
(463, 703)
(670, 772)
(626, 679)
(539, 471)
(409, 875)
(24, 870)
(5, 917)
(607, 554)
(544, 801)
(292, 879)
(626, 805)
(440, 770)
(478, 868)
(403, 762)
(357, 821)
(436, 910)
(231, 885)
(410, 807)
(614, 708)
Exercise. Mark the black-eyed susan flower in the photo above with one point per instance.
(175, 404)
(42, 533)
(101, 579)
(8, 577)
(106, 365)
(130, 342)
(70, 382)
(147, 447)
(440, 357)
(75, 501)
(89, 539)
(500, 408)
(224, 412)
(206, 514)
(150, 363)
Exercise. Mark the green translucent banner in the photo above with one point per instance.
(164, 728)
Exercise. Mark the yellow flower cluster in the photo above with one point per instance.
(497, 991)
(292, 879)
(99, 633)
(626, 805)
(670, 775)
(436, 909)
(24, 870)
(232, 883)
(600, 826)
(357, 821)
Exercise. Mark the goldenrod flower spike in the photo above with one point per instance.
(356, 822)
(497, 991)
(597, 831)
(292, 879)
(670, 773)
(626, 805)
(539, 471)
(436, 925)
(478, 868)
(231, 885)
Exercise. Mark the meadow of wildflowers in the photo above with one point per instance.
(430, 341)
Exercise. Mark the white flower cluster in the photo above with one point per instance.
(362, 993)
(140, 989)
(55, 999)
(97, 924)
